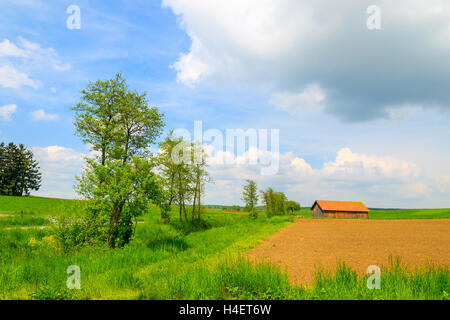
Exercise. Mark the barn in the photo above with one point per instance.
(339, 209)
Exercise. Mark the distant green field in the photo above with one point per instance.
(410, 214)
(50, 207)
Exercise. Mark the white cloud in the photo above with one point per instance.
(442, 182)
(8, 49)
(362, 166)
(310, 99)
(7, 111)
(190, 70)
(38, 55)
(11, 78)
(18, 61)
(41, 115)
(284, 46)
(378, 181)
(59, 166)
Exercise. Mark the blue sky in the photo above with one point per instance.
(363, 114)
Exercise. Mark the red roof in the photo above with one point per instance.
(326, 205)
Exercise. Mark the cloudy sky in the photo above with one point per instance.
(362, 114)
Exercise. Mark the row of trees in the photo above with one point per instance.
(183, 167)
(125, 177)
(19, 172)
(276, 203)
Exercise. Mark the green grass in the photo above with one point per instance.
(22, 221)
(37, 205)
(181, 261)
(410, 214)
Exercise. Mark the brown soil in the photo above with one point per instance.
(306, 244)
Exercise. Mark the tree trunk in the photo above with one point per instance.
(193, 207)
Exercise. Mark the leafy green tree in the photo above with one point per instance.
(118, 192)
(19, 172)
(139, 126)
(96, 120)
(117, 122)
(275, 202)
(175, 160)
(120, 125)
(267, 197)
(200, 177)
(250, 197)
(167, 166)
(293, 206)
(184, 168)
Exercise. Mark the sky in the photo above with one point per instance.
(362, 112)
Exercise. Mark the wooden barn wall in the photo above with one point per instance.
(346, 215)
(317, 212)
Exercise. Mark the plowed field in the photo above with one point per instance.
(306, 244)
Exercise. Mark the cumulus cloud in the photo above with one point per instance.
(7, 111)
(310, 99)
(12, 78)
(41, 115)
(17, 61)
(361, 166)
(59, 166)
(377, 180)
(287, 45)
(9, 49)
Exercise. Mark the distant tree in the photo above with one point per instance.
(275, 202)
(19, 172)
(184, 167)
(236, 208)
(293, 206)
(167, 166)
(250, 196)
(200, 177)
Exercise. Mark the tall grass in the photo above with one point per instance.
(22, 220)
(398, 282)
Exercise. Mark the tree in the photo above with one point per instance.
(167, 166)
(120, 125)
(200, 177)
(19, 172)
(267, 197)
(293, 206)
(116, 122)
(250, 196)
(118, 192)
(184, 168)
(175, 160)
(96, 120)
(275, 202)
(139, 126)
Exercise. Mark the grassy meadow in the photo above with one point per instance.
(175, 260)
